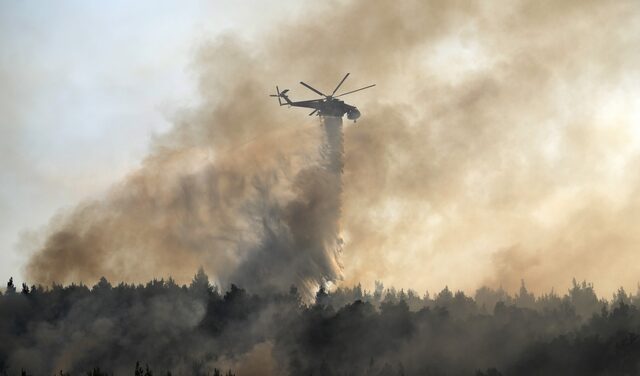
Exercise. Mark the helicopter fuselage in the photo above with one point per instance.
(337, 108)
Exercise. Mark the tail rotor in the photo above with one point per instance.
(280, 94)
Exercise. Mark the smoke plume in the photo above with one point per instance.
(499, 143)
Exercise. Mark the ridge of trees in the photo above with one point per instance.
(581, 294)
(138, 371)
(348, 331)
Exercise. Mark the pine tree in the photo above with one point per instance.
(524, 298)
(11, 288)
(200, 284)
(102, 285)
(322, 296)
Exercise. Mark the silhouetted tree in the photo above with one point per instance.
(322, 296)
(486, 298)
(621, 296)
(357, 293)
(200, 285)
(102, 286)
(413, 301)
(377, 293)
(584, 299)
(524, 298)
(11, 288)
(444, 298)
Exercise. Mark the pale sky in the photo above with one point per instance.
(84, 85)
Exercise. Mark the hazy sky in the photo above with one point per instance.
(83, 87)
(502, 141)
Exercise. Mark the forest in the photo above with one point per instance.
(164, 328)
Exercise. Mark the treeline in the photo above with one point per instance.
(581, 297)
(138, 371)
(198, 329)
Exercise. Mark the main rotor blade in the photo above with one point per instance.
(353, 91)
(337, 87)
(310, 88)
(313, 112)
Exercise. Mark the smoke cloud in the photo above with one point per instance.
(500, 143)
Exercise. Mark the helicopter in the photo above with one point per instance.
(327, 106)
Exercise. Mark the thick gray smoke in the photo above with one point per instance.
(253, 196)
(500, 143)
(259, 222)
(301, 241)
